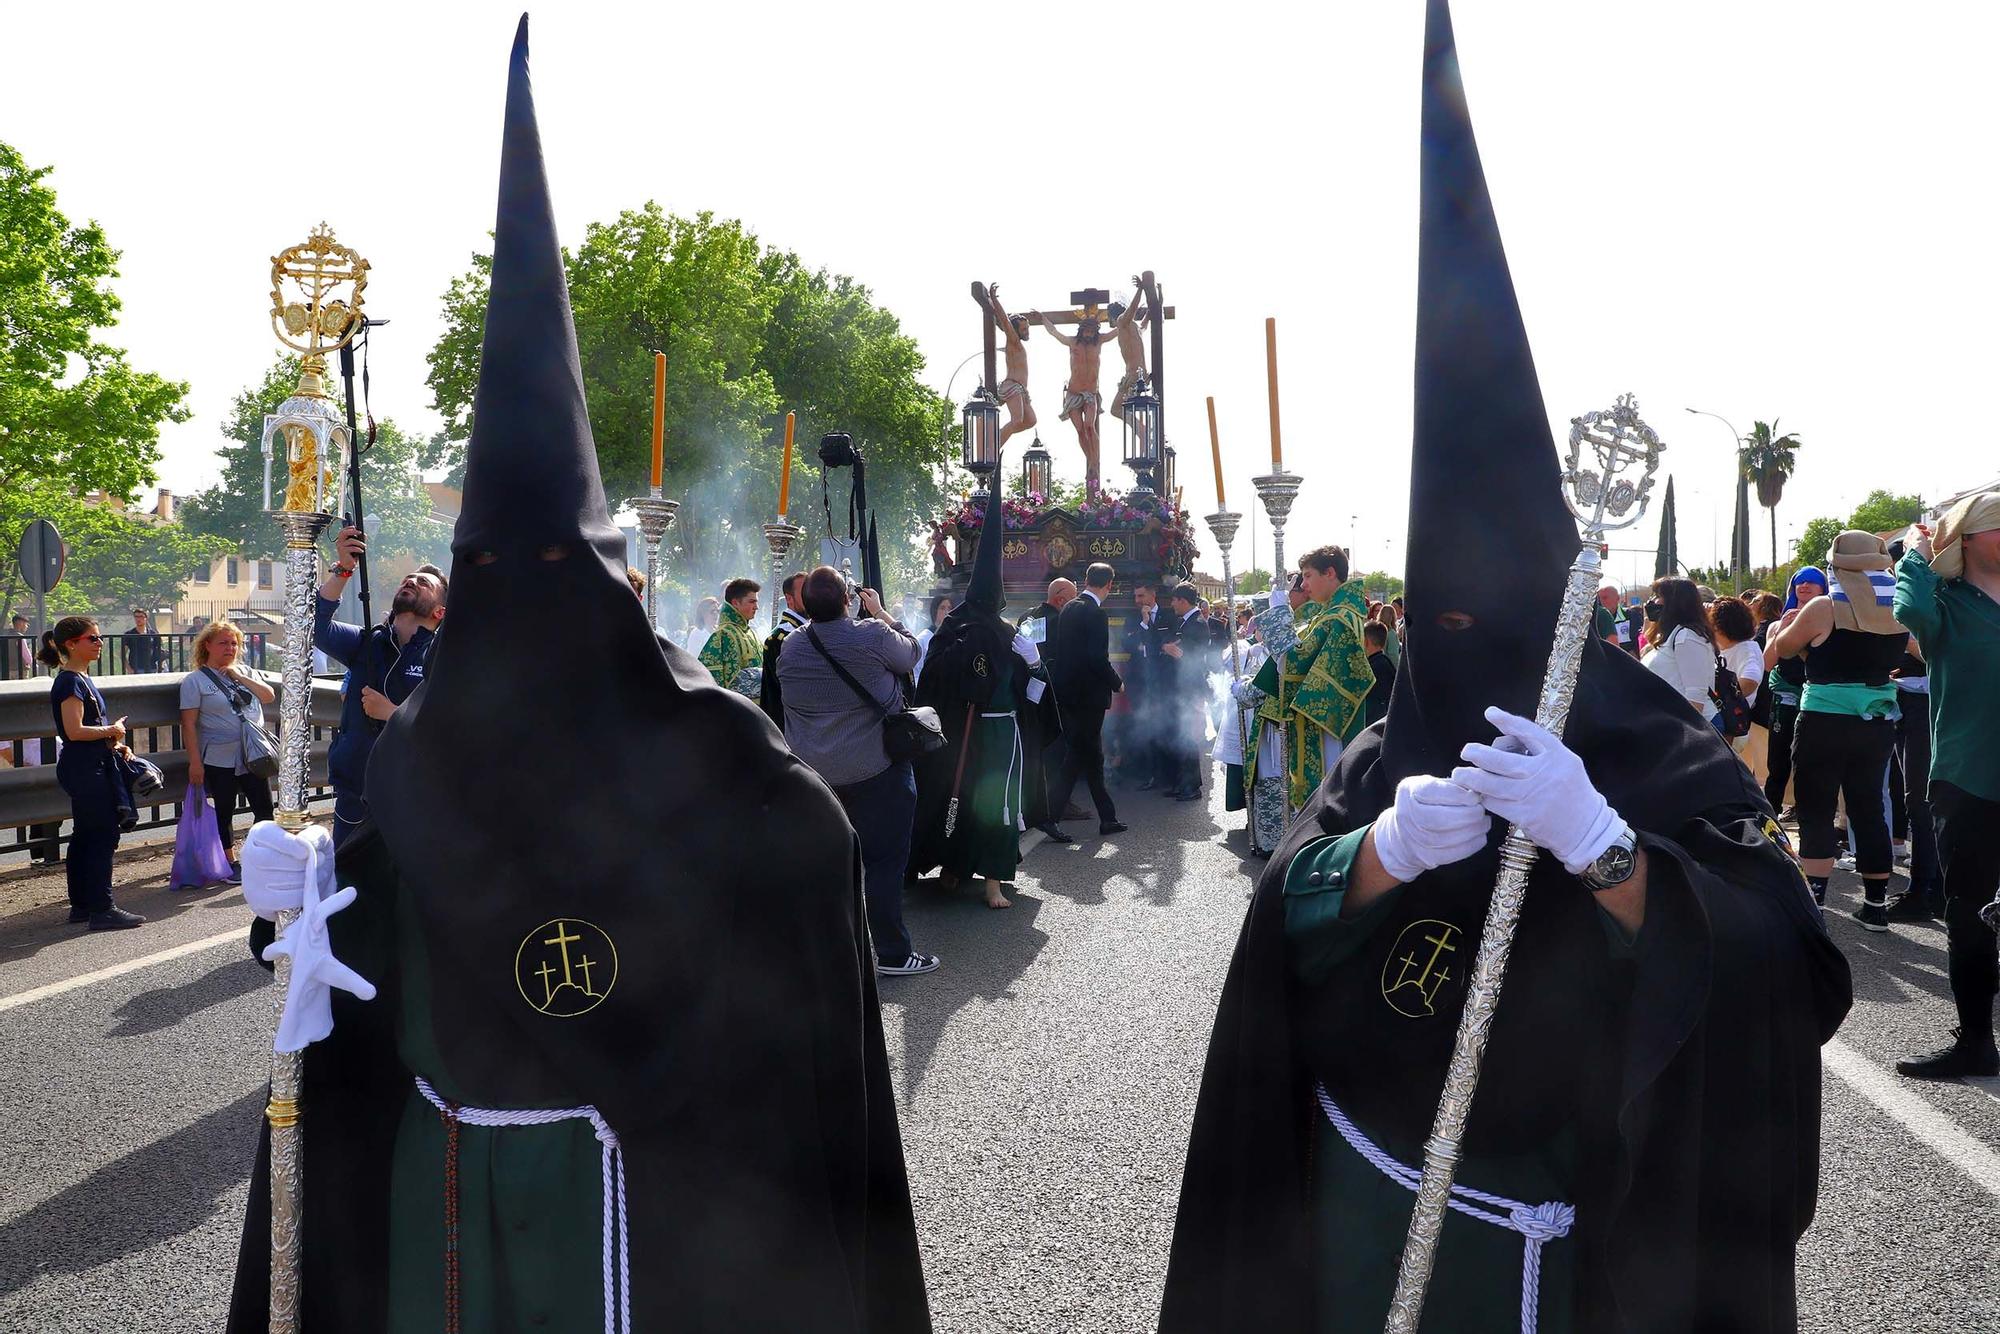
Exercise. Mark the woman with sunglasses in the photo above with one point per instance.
(91, 748)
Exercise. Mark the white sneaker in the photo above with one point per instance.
(916, 963)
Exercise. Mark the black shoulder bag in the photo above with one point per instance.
(1732, 711)
(260, 748)
(906, 733)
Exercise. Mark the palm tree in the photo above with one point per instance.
(1768, 459)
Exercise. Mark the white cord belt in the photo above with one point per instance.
(617, 1266)
(1008, 815)
(1536, 1223)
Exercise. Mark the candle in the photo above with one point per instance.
(1271, 373)
(785, 477)
(659, 416)
(1215, 452)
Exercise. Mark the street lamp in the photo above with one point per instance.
(980, 439)
(1035, 469)
(1740, 538)
(1142, 436)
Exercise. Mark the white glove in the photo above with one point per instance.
(1431, 823)
(1532, 780)
(283, 871)
(1026, 648)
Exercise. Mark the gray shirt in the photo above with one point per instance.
(221, 732)
(826, 723)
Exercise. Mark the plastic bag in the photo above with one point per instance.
(199, 860)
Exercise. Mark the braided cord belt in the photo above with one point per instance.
(617, 1258)
(1536, 1223)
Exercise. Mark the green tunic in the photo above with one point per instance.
(1361, 1217)
(991, 847)
(530, 1199)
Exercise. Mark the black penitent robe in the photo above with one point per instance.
(960, 683)
(1704, 1172)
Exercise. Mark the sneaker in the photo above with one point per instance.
(916, 963)
(1055, 833)
(1976, 1057)
(236, 873)
(115, 919)
(1913, 906)
(1108, 827)
(1872, 916)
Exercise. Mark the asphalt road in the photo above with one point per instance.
(1046, 1076)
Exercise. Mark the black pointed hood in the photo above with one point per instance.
(1489, 537)
(531, 469)
(986, 591)
(1667, 556)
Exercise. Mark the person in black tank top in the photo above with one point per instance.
(1847, 717)
(87, 768)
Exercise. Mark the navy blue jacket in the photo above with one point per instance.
(396, 673)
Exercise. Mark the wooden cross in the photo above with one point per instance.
(1088, 304)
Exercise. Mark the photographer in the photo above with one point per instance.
(385, 665)
(830, 726)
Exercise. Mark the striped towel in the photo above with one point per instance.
(1882, 581)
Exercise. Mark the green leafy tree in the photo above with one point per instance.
(1381, 585)
(1815, 539)
(749, 334)
(393, 497)
(1882, 511)
(1254, 581)
(1768, 460)
(75, 418)
(117, 561)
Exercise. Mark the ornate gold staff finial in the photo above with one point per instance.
(318, 288)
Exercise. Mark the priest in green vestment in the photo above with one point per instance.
(617, 1075)
(733, 655)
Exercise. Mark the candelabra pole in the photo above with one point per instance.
(781, 538)
(1278, 490)
(656, 515)
(1222, 526)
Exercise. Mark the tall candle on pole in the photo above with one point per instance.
(656, 513)
(1222, 525)
(1215, 453)
(782, 536)
(659, 419)
(1278, 488)
(1271, 375)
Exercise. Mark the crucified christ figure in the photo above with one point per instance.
(1013, 391)
(1082, 401)
(1126, 322)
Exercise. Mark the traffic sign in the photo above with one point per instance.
(41, 561)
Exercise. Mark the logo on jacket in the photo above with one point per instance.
(1424, 959)
(566, 967)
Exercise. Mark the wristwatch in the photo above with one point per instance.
(344, 571)
(1615, 865)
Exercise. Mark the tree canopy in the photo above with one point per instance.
(750, 333)
(75, 417)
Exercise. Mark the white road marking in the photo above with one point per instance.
(120, 969)
(1987, 1084)
(1915, 1115)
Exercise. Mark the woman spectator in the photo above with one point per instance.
(87, 768)
(1766, 608)
(1847, 716)
(940, 608)
(1736, 641)
(1786, 681)
(212, 730)
(1385, 616)
(707, 614)
(1684, 656)
(833, 729)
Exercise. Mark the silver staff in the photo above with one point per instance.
(1222, 526)
(317, 289)
(656, 515)
(781, 537)
(1604, 502)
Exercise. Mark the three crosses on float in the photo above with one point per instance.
(1083, 399)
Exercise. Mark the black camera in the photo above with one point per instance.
(836, 450)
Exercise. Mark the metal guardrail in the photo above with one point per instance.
(150, 705)
(260, 650)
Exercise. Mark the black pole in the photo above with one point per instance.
(354, 477)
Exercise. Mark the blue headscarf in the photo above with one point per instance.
(1808, 574)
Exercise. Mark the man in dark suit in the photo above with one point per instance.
(1141, 762)
(1187, 653)
(1080, 670)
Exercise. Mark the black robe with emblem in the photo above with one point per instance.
(734, 1045)
(1687, 1075)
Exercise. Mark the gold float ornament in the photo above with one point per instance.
(318, 288)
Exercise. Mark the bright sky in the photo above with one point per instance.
(1750, 208)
